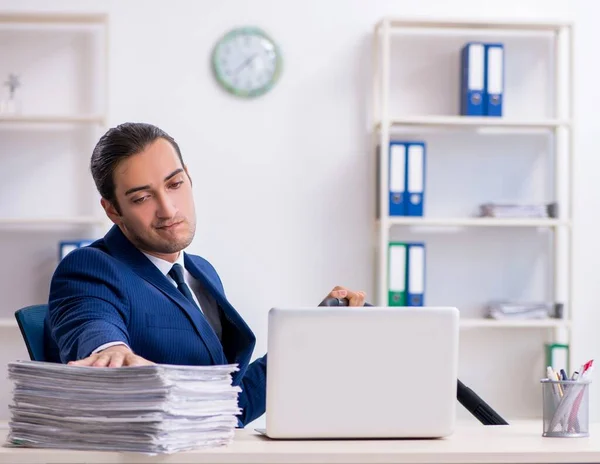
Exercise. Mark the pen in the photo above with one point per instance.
(588, 369)
(573, 419)
(560, 390)
(585, 368)
(550, 375)
(563, 377)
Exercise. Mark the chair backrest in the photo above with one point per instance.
(31, 323)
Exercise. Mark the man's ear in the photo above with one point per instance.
(188, 173)
(111, 211)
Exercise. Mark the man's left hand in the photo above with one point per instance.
(354, 298)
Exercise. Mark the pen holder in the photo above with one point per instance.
(566, 408)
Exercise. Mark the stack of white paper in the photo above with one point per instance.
(519, 310)
(149, 409)
(517, 211)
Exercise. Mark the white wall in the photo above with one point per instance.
(284, 184)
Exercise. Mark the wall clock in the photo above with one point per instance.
(246, 62)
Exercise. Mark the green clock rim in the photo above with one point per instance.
(254, 92)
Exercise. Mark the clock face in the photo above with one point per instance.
(246, 62)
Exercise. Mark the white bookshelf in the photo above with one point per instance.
(64, 110)
(386, 120)
(404, 108)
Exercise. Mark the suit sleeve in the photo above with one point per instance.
(87, 306)
(253, 397)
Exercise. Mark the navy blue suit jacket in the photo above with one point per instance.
(110, 291)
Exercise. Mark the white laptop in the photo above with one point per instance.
(361, 372)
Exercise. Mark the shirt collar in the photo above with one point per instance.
(163, 265)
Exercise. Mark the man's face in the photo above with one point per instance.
(154, 194)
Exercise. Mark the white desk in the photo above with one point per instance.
(471, 443)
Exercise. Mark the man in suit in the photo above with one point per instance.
(134, 297)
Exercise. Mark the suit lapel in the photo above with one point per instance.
(245, 339)
(121, 248)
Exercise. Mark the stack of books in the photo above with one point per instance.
(148, 409)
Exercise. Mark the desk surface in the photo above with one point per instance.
(520, 442)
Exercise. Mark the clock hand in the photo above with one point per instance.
(246, 62)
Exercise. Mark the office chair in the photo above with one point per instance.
(31, 323)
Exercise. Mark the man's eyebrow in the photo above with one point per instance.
(147, 187)
(174, 173)
(137, 189)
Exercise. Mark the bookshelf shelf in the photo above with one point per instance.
(8, 323)
(6, 222)
(472, 25)
(52, 119)
(473, 122)
(18, 18)
(513, 324)
(475, 222)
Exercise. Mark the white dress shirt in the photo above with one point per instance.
(164, 267)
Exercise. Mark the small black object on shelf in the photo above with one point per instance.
(467, 397)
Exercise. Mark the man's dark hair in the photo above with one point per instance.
(118, 144)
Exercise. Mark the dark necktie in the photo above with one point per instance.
(176, 273)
